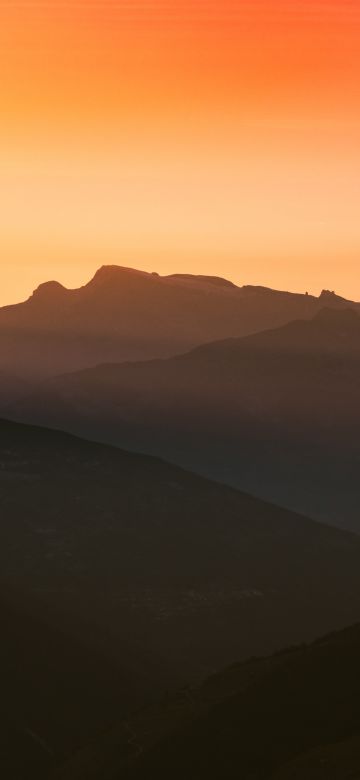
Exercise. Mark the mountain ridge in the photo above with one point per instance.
(184, 548)
(108, 274)
(274, 413)
(127, 314)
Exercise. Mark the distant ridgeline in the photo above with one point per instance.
(276, 413)
(124, 314)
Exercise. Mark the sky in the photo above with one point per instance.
(202, 136)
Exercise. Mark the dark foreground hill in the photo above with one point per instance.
(276, 414)
(148, 556)
(57, 692)
(292, 716)
(131, 578)
(124, 314)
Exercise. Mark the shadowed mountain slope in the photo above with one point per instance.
(133, 577)
(57, 693)
(276, 414)
(124, 314)
(273, 711)
(149, 560)
(291, 716)
(139, 548)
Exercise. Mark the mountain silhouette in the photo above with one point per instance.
(124, 314)
(275, 413)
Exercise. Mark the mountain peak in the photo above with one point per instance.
(112, 273)
(331, 297)
(217, 281)
(49, 291)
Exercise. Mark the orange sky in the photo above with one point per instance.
(210, 136)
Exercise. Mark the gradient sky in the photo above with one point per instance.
(206, 136)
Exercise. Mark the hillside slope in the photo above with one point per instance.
(174, 574)
(275, 413)
(124, 578)
(57, 693)
(279, 709)
(291, 716)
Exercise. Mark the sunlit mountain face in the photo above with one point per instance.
(215, 137)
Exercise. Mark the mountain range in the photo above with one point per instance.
(275, 414)
(139, 599)
(138, 578)
(124, 314)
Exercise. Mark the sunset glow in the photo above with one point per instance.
(204, 136)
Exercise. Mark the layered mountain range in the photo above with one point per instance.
(275, 413)
(124, 314)
(133, 588)
(132, 578)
